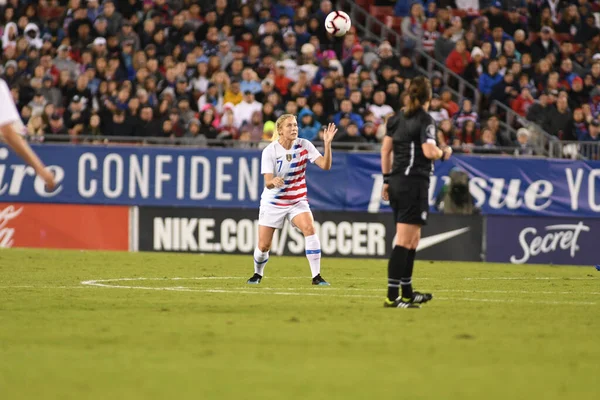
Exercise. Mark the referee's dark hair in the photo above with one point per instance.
(419, 93)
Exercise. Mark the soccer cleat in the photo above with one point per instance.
(420, 298)
(318, 280)
(400, 303)
(255, 280)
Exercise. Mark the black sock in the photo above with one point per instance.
(406, 279)
(396, 266)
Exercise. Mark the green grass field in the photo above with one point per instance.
(492, 331)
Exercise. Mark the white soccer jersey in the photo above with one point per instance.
(8, 111)
(291, 166)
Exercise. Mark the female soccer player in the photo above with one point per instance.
(411, 137)
(283, 165)
(9, 121)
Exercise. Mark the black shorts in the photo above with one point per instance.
(409, 198)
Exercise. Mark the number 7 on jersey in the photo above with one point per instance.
(279, 163)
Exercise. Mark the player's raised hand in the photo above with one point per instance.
(329, 133)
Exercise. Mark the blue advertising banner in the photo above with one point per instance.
(171, 176)
(535, 240)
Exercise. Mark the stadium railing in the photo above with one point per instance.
(574, 150)
(539, 138)
(236, 144)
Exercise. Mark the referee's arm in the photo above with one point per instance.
(429, 145)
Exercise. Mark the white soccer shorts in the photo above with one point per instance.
(275, 216)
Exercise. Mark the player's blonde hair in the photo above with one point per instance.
(278, 124)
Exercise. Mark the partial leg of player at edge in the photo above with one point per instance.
(411, 139)
(283, 165)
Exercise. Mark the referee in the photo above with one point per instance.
(411, 138)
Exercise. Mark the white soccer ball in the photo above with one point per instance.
(338, 23)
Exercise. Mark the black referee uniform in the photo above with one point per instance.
(409, 179)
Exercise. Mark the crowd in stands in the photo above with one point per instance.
(226, 69)
(541, 58)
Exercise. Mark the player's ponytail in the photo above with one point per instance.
(278, 124)
(419, 93)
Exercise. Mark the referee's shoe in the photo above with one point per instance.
(413, 302)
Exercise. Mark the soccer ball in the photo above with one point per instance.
(338, 23)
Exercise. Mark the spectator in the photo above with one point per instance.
(147, 126)
(487, 144)
(459, 58)
(346, 112)
(544, 45)
(120, 125)
(522, 102)
(449, 104)
(592, 135)
(490, 78)
(465, 113)
(468, 135)
(379, 108)
(437, 112)
(475, 68)
(580, 125)
(524, 147)
(412, 27)
(505, 91)
(352, 134)
(308, 127)
(559, 121)
(243, 111)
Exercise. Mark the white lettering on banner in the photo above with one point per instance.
(162, 234)
(228, 240)
(344, 232)
(175, 229)
(574, 187)
(180, 177)
(536, 191)
(6, 233)
(139, 177)
(205, 184)
(82, 188)
(511, 200)
(477, 188)
(19, 173)
(248, 179)
(107, 177)
(188, 242)
(222, 177)
(3, 156)
(205, 234)
(160, 175)
(592, 190)
(563, 236)
(246, 233)
(296, 241)
(375, 201)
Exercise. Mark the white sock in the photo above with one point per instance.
(260, 260)
(313, 253)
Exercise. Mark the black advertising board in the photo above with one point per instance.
(342, 234)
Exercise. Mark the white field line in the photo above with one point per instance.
(42, 287)
(103, 284)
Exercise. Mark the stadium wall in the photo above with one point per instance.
(206, 200)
